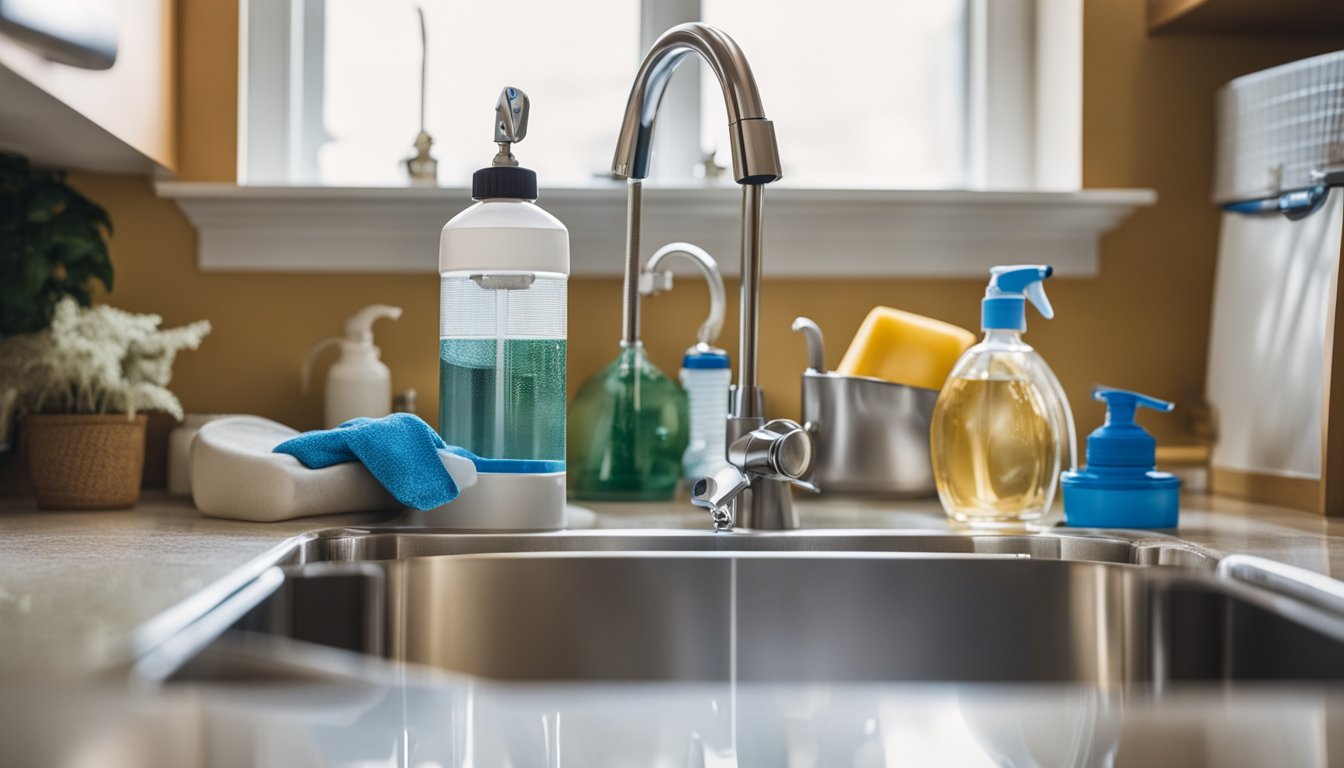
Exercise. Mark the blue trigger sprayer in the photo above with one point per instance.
(1002, 429)
(1120, 487)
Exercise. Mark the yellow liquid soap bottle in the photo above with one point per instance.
(1002, 429)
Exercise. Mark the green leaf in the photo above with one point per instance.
(45, 204)
(36, 270)
(74, 238)
(87, 209)
(102, 269)
(81, 295)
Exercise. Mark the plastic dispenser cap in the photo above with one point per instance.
(1120, 442)
(1120, 487)
(703, 356)
(1010, 287)
(357, 342)
(359, 328)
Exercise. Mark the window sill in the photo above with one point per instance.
(808, 232)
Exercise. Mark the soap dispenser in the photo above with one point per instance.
(630, 423)
(1120, 487)
(358, 384)
(503, 304)
(1002, 429)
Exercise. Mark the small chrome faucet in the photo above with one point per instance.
(778, 452)
(766, 457)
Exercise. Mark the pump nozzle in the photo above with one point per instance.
(360, 325)
(358, 333)
(1121, 404)
(1120, 442)
(1010, 287)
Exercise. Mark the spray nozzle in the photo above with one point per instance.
(510, 124)
(1010, 287)
(1121, 405)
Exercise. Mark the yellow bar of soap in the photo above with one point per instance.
(905, 348)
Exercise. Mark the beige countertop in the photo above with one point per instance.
(75, 586)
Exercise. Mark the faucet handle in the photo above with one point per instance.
(779, 450)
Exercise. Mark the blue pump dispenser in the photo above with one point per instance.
(1010, 287)
(1120, 487)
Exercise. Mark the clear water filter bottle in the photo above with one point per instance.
(504, 271)
(707, 379)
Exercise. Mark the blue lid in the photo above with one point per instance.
(1120, 487)
(1010, 287)
(711, 358)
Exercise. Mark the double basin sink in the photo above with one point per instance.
(1111, 611)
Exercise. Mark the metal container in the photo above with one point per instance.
(870, 437)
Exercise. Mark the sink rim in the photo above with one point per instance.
(188, 623)
(1142, 547)
(1305, 615)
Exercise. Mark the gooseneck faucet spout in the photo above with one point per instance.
(762, 500)
(755, 155)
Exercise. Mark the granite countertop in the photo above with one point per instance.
(74, 586)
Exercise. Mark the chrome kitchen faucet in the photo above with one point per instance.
(765, 456)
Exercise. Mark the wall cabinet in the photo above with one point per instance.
(118, 119)
(1317, 18)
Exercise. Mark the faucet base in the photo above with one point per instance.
(766, 506)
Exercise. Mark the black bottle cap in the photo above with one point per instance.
(504, 181)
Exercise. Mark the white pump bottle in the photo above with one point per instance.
(358, 384)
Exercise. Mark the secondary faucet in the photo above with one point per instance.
(765, 457)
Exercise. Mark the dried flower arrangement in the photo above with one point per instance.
(96, 360)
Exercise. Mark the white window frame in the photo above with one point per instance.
(1022, 202)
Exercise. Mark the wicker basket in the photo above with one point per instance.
(78, 461)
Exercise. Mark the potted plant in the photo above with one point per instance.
(52, 245)
(83, 385)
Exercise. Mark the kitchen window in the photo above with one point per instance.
(916, 84)
(890, 77)
(914, 133)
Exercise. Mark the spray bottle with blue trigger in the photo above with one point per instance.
(1002, 428)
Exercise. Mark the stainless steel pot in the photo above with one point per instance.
(870, 437)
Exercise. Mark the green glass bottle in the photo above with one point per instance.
(628, 428)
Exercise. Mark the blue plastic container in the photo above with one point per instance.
(1120, 487)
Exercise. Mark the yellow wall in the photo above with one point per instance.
(1147, 122)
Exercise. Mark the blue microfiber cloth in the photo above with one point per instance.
(401, 451)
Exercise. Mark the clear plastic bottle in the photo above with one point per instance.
(504, 273)
(706, 377)
(502, 363)
(503, 276)
(1002, 429)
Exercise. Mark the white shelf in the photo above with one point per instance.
(808, 232)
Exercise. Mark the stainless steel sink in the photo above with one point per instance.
(1103, 611)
